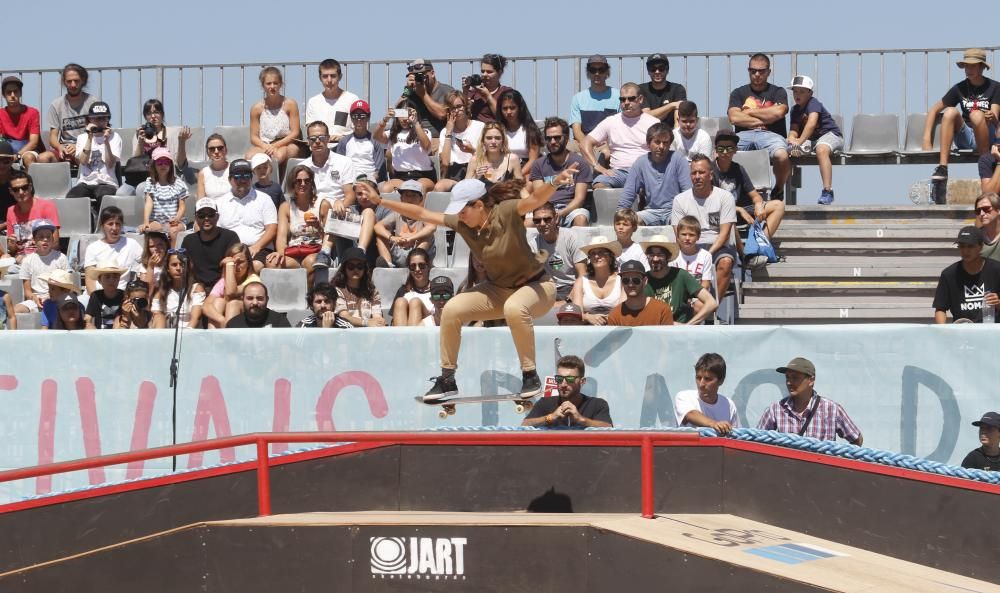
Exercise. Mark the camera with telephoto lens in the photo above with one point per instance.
(474, 80)
(98, 129)
(141, 303)
(419, 77)
(148, 130)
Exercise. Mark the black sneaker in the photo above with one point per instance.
(940, 173)
(443, 387)
(323, 260)
(531, 385)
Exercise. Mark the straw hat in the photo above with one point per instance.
(602, 242)
(664, 242)
(974, 56)
(63, 279)
(107, 266)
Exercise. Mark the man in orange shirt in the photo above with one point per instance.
(637, 308)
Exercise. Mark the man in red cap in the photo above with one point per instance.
(366, 154)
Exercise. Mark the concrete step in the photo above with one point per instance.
(835, 313)
(792, 249)
(914, 270)
(818, 231)
(835, 290)
(879, 214)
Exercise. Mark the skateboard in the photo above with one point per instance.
(929, 192)
(448, 405)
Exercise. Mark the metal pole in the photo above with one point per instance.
(647, 478)
(263, 480)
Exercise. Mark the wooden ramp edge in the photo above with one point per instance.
(726, 538)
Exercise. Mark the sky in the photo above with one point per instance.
(187, 32)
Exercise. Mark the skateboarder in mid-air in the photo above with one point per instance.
(517, 289)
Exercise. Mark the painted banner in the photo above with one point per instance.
(912, 389)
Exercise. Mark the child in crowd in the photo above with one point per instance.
(106, 301)
(398, 235)
(367, 152)
(691, 138)
(154, 255)
(69, 314)
(261, 165)
(442, 289)
(812, 129)
(8, 318)
(570, 314)
(36, 266)
(165, 193)
(732, 177)
(694, 259)
(626, 222)
(410, 147)
(134, 312)
(705, 406)
(60, 283)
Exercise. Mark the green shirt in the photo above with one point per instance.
(991, 250)
(676, 289)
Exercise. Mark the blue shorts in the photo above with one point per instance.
(965, 139)
(761, 140)
(616, 180)
(654, 216)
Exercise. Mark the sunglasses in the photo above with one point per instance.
(204, 215)
(554, 138)
(544, 220)
(352, 266)
(320, 138)
(725, 149)
(657, 68)
(418, 266)
(359, 116)
(20, 189)
(628, 99)
(597, 70)
(758, 70)
(163, 162)
(215, 148)
(177, 251)
(305, 181)
(242, 176)
(632, 280)
(980, 210)
(441, 297)
(569, 379)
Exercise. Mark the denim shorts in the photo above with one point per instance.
(616, 180)
(654, 216)
(965, 139)
(761, 140)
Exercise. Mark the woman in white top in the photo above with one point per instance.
(410, 148)
(458, 141)
(600, 290)
(168, 295)
(412, 305)
(274, 121)
(523, 136)
(300, 232)
(494, 162)
(213, 180)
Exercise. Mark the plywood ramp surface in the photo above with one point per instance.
(726, 538)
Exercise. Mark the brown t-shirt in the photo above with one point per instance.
(656, 312)
(501, 246)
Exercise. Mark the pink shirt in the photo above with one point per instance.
(626, 136)
(19, 225)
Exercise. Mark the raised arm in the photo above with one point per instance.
(543, 193)
(411, 210)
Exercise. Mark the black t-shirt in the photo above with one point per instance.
(431, 124)
(654, 98)
(206, 255)
(967, 97)
(962, 293)
(103, 309)
(746, 98)
(594, 408)
(6, 201)
(735, 181)
(977, 459)
(273, 190)
(273, 319)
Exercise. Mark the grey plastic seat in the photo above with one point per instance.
(30, 320)
(874, 135)
(387, 281)
(286, 288)
(913, 140)
(457, 275)
(391, 196)
(645, 233)
(74, 216)
(128, 143)
(437, 200)
(757, 165)
(237, 140)
(78, 250)
(131, 206)
(605, 204)
(13, 286)
(51, 180)
(460, 253)
(440, 247)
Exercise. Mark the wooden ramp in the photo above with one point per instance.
(787, 555)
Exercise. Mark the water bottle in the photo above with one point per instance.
(921, 193)
(989, 311)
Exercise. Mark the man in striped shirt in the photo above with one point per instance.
(804, 412)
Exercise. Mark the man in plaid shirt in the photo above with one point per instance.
(804, 412)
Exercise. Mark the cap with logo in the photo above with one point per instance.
(801, 82)
(412, 185)
(205, 204)
(988, 419)
(419, 65)
(442, 285)
(569, 310)
(969, 235)
(161, 153)
(799, 364)
(465, 191)
(361, 105)
(974, 56)
(632, 266)
(99, 109)
(240, 166)
(42, 224)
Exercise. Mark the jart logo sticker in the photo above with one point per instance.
(427, 558)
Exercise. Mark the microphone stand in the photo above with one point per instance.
(175, 362)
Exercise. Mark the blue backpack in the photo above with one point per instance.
(758, 250)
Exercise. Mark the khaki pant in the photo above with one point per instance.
(487, 301)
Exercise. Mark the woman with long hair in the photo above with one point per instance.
(494, 162)
(274, 121)
(213, 180)
(410, 148)
(300, 232)
(483, 97)
(154, 254)
(524, 139)
(459, 140)
(145, 144)
(225, 300)
(358, 301)
(173, 282)
(600, 290)
(517, 287)
(412, 304)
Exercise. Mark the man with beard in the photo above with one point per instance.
(638, 308)
(209, 244)
(565, 261)
(568, 199)
(255, 312)
(659, 176)
(67, 114)
(572, 408)
(674, 286)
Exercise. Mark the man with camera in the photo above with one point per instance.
(424, 93)
(98, 150)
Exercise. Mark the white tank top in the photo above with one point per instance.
(301, 233)
(274, 124)
(517, 141)
(216, 182)
(593, 304)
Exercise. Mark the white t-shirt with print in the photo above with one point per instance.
(701, 143)
(717, 209)
(722, 410)
(319, 108)
(360, 151)
(470, 135)
(700, 265)
(331, 177)
(96, 170)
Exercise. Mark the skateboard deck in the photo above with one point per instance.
(448, 405)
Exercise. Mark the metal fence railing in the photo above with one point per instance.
(848, 82)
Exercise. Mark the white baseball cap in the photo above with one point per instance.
(259, 159)
(205, 203)
(803, 82)
(465, 191)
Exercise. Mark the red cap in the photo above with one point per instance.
(361, 105)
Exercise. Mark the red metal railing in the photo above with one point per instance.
(644, 440)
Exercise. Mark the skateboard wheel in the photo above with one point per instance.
(450, 410)
(519, 408)
(442, 414)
